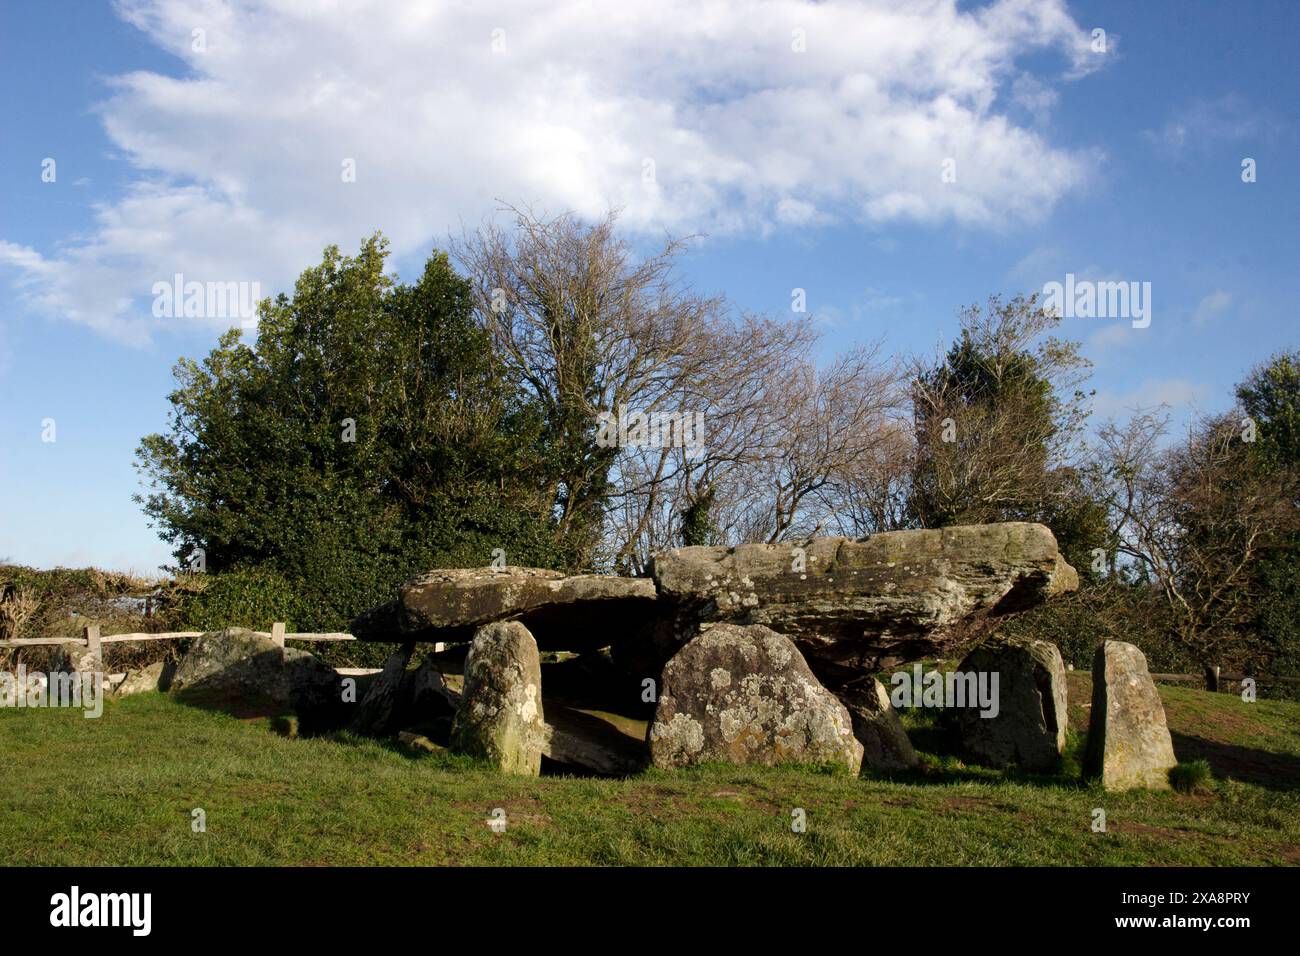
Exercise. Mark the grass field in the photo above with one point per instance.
(122, 790)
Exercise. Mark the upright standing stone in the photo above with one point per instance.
(1128, 741)
(1029, 726)
(745, 695)
(378, 712)
(500, 715)
(885, 746)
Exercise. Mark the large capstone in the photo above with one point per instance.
(745, 695)
(500, 715)
(861, 606)
(580, 612)
(1029, 726)
(1129, 746)
(876, 725)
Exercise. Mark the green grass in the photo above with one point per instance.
(1193, 777)
(121, 790)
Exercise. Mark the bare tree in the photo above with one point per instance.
(17, 606)
(835, 422)
(871, 495)
(590, 328)
(1195, 518)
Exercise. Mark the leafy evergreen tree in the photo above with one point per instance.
(368, 434)
(1270, 396)
(995, 424)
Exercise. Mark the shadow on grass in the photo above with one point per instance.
(945, 770)
(1229, 761)
(447, 760)
(944, 762)
(245, 706)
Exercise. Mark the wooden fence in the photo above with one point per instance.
(94, 641)
(1219, 680)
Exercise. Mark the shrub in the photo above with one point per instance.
(1191, 777)
(252, 597)
(1077, 623)
(60, 602)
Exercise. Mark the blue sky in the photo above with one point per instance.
(817, 169)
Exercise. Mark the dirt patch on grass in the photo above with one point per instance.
(1289, 854)
(963, 803)
(757, 799)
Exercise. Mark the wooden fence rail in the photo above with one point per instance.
(94, 641)
(91, 638)
(1224, 678)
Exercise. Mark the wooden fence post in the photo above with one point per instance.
(277, 633)
(91, 633)
(1212, 677)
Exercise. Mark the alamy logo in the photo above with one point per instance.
(103, 909)
(84, 689)
(1085, 299)
(206, 300)
(649, 429)
(951, 689)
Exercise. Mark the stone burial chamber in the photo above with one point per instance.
(757, 654)
(797, 619)
(852, 606)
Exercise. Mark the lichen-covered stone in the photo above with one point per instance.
(1128, 740)
(745, 695)
(156, 676)
(885, 745)
(243, 665)
(1030, 725)
(563, 612)
(856, 607)
(500, 716)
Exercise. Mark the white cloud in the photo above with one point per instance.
(1115, 334)
(1211, 307)
(1034, 97)
(1177, 393)
(237, 164)
(1202, 123)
